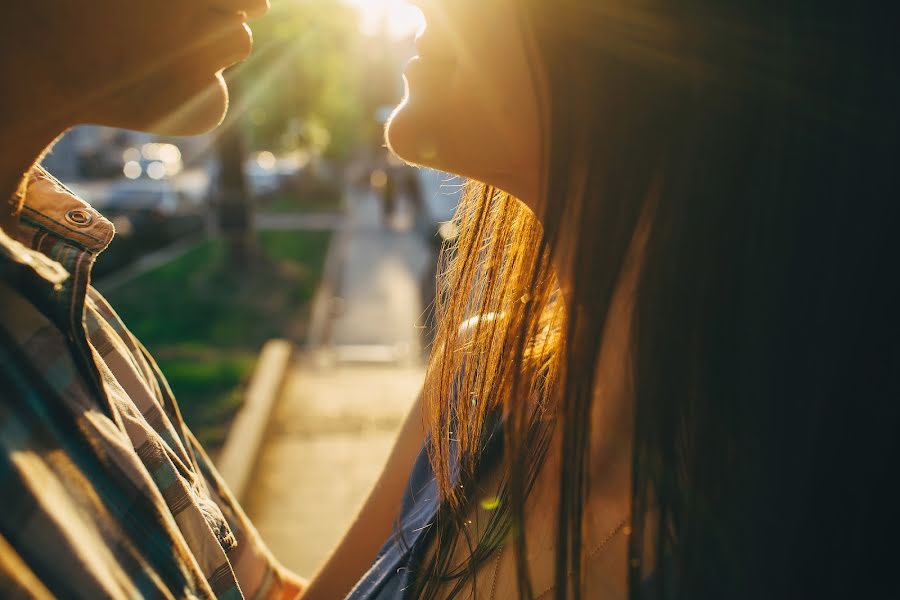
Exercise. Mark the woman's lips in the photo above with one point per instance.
(435, 57)
(431, 49)
(429, 69)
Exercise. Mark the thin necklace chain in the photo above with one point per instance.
(603, 544)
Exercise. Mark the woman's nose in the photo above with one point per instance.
(425, 4)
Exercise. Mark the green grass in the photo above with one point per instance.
(205, 321)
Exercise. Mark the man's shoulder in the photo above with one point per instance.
(21, 320)
(18, 263)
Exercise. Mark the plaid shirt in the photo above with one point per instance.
(105, 492)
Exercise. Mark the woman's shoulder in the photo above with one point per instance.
(390, 572)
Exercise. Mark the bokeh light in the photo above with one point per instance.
(132, 169)
(396, 18)
(156, 170)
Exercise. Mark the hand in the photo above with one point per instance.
(293, 585)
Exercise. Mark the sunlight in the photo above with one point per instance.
(397, 18)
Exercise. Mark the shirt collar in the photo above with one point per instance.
(48, 256)
(51, 208)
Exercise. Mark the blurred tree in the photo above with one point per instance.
(235, 208)
(312, 71)
(314, 82)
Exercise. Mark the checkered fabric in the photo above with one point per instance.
(105, 492)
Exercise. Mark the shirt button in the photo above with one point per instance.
(79, 217)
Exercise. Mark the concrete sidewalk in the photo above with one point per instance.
(346, 397)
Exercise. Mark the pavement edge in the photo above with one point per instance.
(245, 438)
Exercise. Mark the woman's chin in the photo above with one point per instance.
(399, 134)
(408, 136)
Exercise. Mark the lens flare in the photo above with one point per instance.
(397, 19)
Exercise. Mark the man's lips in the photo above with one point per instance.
(253, 9)
(224, 36)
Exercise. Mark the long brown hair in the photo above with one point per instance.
(764, 345)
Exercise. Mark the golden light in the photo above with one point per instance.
(396, 18)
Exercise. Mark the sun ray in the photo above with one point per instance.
(248, 96)
(398, 19)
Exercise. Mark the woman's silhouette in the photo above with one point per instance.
(668, 348)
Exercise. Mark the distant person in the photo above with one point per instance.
(668, 357)
(105, 491)
(412, 191)
(388, 197)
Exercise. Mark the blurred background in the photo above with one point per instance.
(292, 222)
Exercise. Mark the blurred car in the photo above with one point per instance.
(262, 175)
(148, 215)
(441, 194)
(152, 211)
(152, 160)
(142, 199)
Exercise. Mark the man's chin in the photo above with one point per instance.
(201, 113)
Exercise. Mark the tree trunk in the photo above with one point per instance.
(235, 203)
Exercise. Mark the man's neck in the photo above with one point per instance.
(22, 143)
